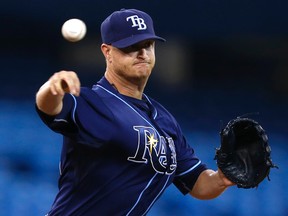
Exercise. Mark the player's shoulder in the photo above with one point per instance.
(85, 89)
(92, 100)
(87, 92)
(87, 95)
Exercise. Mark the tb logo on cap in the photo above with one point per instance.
(137, 22)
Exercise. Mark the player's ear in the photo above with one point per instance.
(105, 48)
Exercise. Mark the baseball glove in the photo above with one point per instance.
(244, 155)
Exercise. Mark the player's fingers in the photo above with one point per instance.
(225, 180)
(65, 81)
(55, 85)
(71, 83)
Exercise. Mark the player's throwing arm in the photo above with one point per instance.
(50, 95)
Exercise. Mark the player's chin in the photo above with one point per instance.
(144, 74)
(143, 70)
(140, 77)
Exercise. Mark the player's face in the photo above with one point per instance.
(134, 63)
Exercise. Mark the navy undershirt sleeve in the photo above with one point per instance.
(186, 182)
(63, 122)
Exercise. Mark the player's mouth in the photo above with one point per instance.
(142, 63)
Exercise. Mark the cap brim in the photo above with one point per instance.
(135, 39)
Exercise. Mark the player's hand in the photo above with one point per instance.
(64, 82)
(225, 180)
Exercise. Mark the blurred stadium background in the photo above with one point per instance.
(221, 59)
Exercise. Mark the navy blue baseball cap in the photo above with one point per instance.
(126, 27)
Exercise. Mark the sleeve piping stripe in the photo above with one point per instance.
(189, 170)
(74, 109)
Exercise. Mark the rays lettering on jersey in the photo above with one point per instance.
(160, 151)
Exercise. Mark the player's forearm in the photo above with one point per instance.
(48, 102)
(209, 185)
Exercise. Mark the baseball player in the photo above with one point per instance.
(121, 148)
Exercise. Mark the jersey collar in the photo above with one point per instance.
(104, 83)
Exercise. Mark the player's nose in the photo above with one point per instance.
(142, 53)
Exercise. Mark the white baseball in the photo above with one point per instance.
(74, 30)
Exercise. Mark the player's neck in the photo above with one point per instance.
(125, 87)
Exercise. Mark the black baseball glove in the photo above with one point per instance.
(244, 156)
